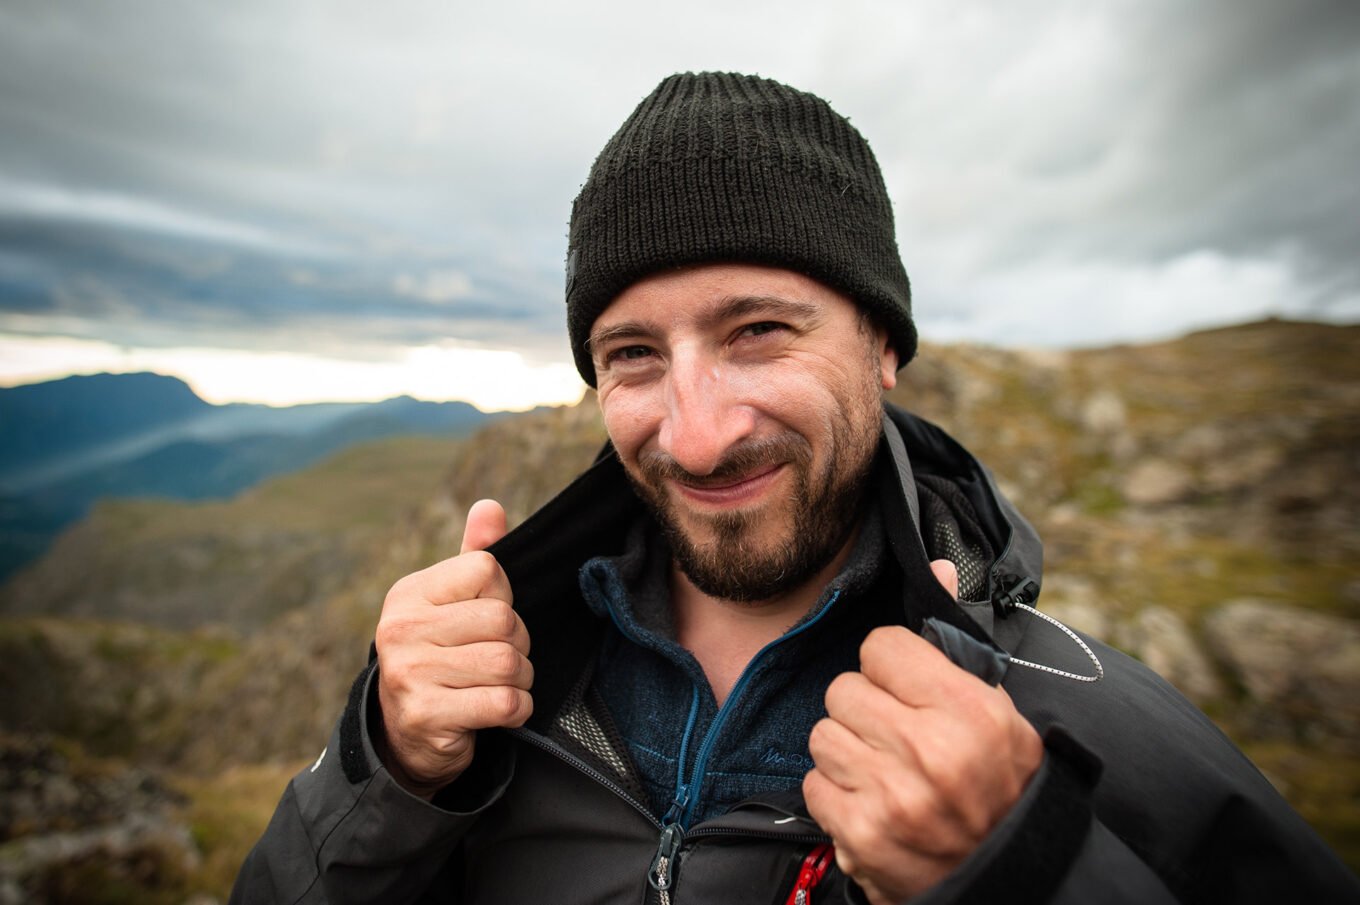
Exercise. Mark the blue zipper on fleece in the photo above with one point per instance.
(696, 775)
(681, 801)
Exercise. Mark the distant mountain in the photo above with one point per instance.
(65, 429)
(70, 442)
(53, 420)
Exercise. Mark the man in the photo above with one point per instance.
(730, 695)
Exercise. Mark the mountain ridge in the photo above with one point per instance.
(76, 440)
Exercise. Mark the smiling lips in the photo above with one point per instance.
(730, 491)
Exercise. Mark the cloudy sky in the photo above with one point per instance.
(351, 200)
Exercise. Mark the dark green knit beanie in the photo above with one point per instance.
(719, 167)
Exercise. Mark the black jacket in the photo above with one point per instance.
(1139, 798)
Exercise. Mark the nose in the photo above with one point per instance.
(704, 415)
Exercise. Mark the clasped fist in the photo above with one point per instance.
(453, 657)
(917, 760)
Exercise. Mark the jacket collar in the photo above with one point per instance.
(593, 515)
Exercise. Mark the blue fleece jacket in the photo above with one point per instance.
(693, 759)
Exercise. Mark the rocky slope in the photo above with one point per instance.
(1197, 497)
(238, 563)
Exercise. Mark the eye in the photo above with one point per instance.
(761, 328)
(625, 356)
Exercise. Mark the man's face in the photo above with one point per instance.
(744, 402)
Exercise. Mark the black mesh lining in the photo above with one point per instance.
(950, 529)
(584, 727)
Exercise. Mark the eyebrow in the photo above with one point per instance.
(625, 330)
(726, 309)
(744, 305)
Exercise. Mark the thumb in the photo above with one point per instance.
(485, 525)
(947, 574)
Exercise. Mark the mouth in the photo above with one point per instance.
(730, 491)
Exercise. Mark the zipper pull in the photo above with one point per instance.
(661, 875)
(815, 866)
(1021, 590)
(677, 808)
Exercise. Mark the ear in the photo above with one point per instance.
(887, 358)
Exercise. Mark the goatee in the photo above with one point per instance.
(734, 560)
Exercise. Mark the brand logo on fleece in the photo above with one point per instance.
(773, 757)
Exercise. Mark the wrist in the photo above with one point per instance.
(424, 789)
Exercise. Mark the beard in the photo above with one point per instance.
(727, 555)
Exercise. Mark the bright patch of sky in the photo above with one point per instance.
(315, 200)
(492, 380)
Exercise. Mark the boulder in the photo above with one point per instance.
(1155, 482)
(1302, 665)
(1163, 641)
(68, 828)
(1104, 412)
(1075, 602)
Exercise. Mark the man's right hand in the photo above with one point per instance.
(453, 657)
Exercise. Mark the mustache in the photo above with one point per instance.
(657, 466)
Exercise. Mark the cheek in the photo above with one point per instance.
(629, 423)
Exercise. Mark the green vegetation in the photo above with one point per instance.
(1323, 786)
(226, 815)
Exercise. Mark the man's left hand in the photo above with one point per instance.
(916, 760)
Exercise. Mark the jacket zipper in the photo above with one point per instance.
(544, 744)
(815, 866)
(661, 874)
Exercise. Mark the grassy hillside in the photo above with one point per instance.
(291, 541)
(1182, 473)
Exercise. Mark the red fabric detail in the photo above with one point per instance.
(815, 866)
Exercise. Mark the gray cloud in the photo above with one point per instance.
(348, 175)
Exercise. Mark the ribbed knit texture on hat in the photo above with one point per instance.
(719, 167)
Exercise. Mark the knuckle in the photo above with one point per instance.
(479, 565)
(452, 747)
(825, 802)
(501, 662)
(520, 707)
(504, 703)
(403, 588)
(998, 716)
(878, 642)
(900, 808)
(819, 738)
(848, 865)
(429, 703)
(950, 779)
(841, 692)
(815, 797)
(501, 619)
(391, 631)
(412, 716)
(395, 672)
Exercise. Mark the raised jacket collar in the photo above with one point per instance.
(593, 515)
